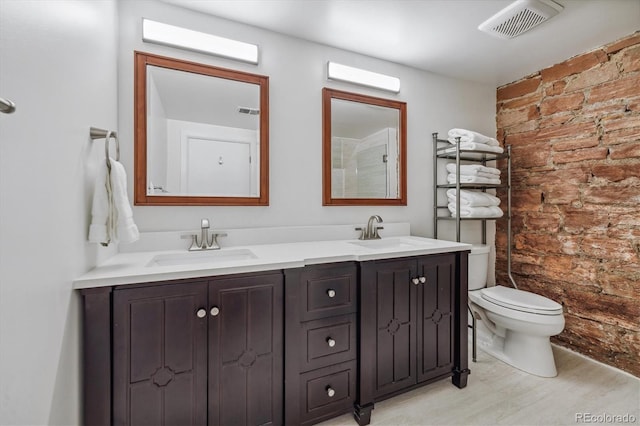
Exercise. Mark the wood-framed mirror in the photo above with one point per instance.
(364, 150)
(201, 134)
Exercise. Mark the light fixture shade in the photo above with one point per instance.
(170, 35)
(363, 77)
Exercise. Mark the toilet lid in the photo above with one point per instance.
(521, 300)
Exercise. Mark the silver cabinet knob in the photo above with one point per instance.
(330, 392)
(423, 280)
(331, 342)
(331, 293)
(201, 313)
(416, 281)
(215, 311)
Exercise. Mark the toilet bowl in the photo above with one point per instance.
(515, 325)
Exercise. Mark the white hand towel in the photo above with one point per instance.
(474, 146)
(471, 136)
(112, 217)
(473, 198)
(126, 229)
(485, 212)
(451, 178)
(101, 229)
(473, 169)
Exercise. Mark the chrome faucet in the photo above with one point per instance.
(208, 241)
(371, 231)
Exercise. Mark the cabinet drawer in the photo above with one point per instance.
(328, 392)
(328, 290)
(328, 341)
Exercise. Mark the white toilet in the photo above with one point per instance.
(515, 325)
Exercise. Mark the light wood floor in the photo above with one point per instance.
(498, 394)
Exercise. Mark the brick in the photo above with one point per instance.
(621, 285)
(529, 156)
(560, 177)
(623, 43)
(525, 101)
(526, 199)
(615, 172)
(605, 72)
(627, 87)
(568, 131)
(574, 65)
(573, 144)
(527, 126)
(618, 122)
(603, 308)
(560, 194)
(570, 244)
(549, 222)
(604, 109)
(580, 155)
(584, 221)
(631, 60)
(509, 117)
(603, 247)
(613, 194)
(628, 150)
(555, 88)
(555, 104)
(621, 136)
(519, 88)
(523, 138)
(538, 243)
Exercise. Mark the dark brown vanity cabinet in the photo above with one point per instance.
(197, 352)
(413, 325)
(320, 342)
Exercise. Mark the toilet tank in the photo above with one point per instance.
(478, 266)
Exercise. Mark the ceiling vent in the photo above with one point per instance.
(520, 17)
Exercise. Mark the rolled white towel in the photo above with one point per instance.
(474, 146)
(473, 198)
(471, 136)
(451, 178)
(473, 169)
(485, 212)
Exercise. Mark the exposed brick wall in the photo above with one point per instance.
(574, 129)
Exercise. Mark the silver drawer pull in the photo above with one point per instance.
(416, 281)
(331, 342)
(215, 311)
(201, 313)
(331, 293)
(423, 280)
(330, 392)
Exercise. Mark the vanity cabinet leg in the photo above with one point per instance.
(459, 378)
(362, 413)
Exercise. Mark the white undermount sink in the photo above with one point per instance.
(388, 243)
(198, 257)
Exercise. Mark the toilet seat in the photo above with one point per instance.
(519, 300)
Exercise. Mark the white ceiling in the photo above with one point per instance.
(440, 36)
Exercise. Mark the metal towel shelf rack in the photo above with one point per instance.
(97, 133)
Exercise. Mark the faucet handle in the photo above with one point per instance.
(363, 233)
(376, 236)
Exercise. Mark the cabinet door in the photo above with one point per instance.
(160, 355)
(246, 346)
(435, 312)
(395, 324)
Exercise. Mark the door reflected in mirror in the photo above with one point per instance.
(201, 134)
(364, 150)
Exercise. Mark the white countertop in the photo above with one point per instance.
(139, 267)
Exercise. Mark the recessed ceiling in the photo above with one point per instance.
(440, 36)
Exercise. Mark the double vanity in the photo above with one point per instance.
(272, 333)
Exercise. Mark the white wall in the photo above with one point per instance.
(58, 64)
(296, 70)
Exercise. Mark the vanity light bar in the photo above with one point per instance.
(170, 35)
(363, 77)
